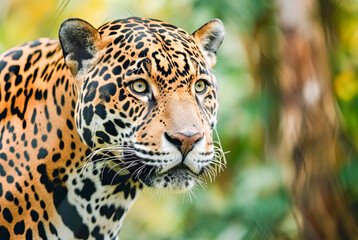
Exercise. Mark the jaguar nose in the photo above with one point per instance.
(183, 142)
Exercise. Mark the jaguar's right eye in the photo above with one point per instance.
(139, 86)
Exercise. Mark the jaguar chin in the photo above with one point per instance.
(177, 179)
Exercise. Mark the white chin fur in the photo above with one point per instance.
(177, 182)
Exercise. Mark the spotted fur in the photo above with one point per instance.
(78, 141)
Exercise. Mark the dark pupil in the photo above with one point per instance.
(139, 86)
(200, 85)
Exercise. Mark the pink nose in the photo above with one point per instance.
(183, 142)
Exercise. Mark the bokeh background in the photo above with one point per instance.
(255, 197)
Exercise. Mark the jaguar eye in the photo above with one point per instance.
(200, 86)
(139, 86)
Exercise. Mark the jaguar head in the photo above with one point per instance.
(148, 99)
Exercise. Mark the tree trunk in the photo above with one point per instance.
(310, 127)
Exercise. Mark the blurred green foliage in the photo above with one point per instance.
(248, 200)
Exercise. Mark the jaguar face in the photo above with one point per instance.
(148, 99)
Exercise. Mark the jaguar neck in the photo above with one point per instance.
(101, 198)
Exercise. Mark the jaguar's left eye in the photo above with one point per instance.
(139, 86)
(200, 86)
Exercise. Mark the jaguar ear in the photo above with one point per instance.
(209, 38)
(80, 42)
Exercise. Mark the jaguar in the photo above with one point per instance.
(90, 119)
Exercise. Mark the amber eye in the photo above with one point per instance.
(139, 86)
(200, 86)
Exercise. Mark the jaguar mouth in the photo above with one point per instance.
(179, 178)
(180, 168)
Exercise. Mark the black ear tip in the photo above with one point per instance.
(65, 26)
(72, 20)
(71, 23)
(75, 28)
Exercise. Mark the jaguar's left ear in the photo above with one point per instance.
(209, 38)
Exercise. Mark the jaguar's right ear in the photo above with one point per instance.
(80, 42)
